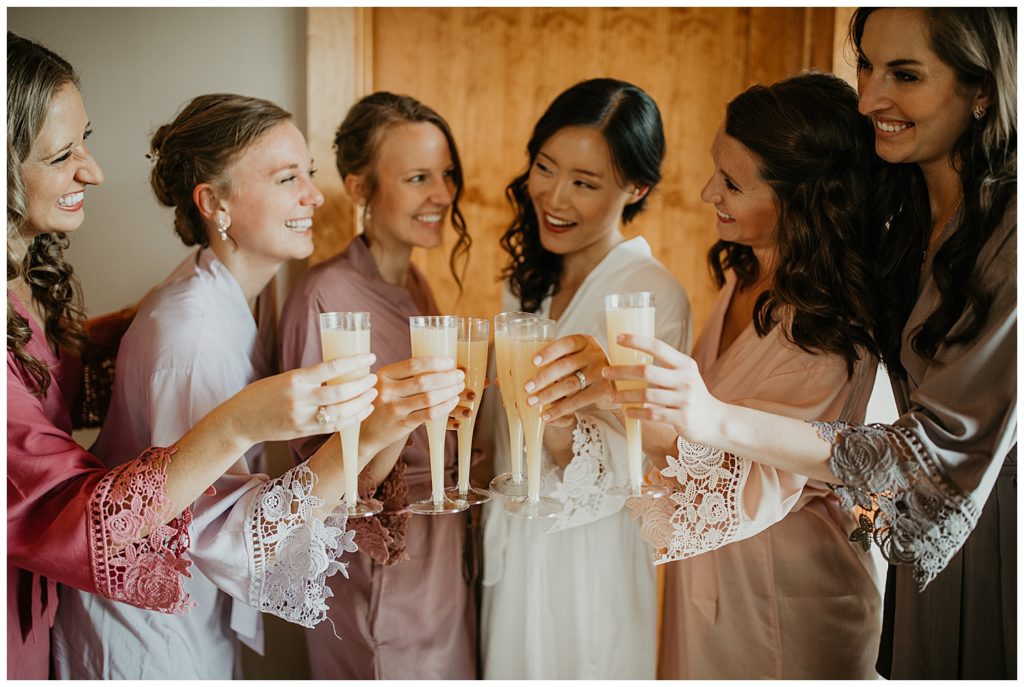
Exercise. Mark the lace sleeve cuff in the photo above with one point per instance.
(703, 511)
(382, 536)
(293, 552)
(138, 558)
(907, 507)
(585, 480)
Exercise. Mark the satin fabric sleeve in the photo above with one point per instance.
(925, 478)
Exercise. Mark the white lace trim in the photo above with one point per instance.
(913, 512)
(707, 509)
(585, 480)
(293, 551)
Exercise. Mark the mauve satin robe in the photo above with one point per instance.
(787, 596)
(50, 481)
(415, 618)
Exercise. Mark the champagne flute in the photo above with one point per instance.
(472, 358)
(436, 336)
(631, 313)
(344, 334)
(509, 484)
(527, 338)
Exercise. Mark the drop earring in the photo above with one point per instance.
(222, 228)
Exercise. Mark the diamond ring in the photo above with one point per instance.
(583, 379)
(322, 416)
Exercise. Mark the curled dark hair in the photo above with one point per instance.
(811, 149)
(980, 46)
(198, 146)
(630, 122)
(358, 140)
(34, 76)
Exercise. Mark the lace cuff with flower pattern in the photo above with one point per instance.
(382, 536)
(585, 480)
(907, 507)
(703, 511)
(292, 551)
(138, 557)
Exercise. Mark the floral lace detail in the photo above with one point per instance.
(915, 515)
(382, 537)
(585, 480)
(293, 552)
(137, 557)
(701, 516)
(827, 430)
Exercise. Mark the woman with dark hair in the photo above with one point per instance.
(119, 532)
(580, 600)
(407, 610)
(761, 580)
(936, 489)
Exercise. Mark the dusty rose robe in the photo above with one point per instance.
(786, 596)
(55, 492)
(412, 618)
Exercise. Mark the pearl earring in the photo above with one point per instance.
(222, 228)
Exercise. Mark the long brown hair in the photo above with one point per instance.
(812, 149)
(34, 76)
(980, 46)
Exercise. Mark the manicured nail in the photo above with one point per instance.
(530, 386)
(545, 417)
(471, 396)
(536, 360)
(532, 400)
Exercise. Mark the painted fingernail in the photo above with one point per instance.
(530, 386)
(545, 417)
(536, 360)
(471, 396)
(532, 400)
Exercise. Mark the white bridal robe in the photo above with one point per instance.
(761, 579)
(578, 601)
(256, 544)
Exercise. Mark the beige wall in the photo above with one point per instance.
(137, 68)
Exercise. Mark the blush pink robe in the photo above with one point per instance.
(414, 616)
(761, 581)
(65, 520)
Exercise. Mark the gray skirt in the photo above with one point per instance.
(964, 624)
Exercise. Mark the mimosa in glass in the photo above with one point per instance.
(472, 358)
(509, 484)
(343, 334)
(527, 337)
(436, 336)
(631, 313)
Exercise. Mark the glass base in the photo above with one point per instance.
(648, 490)
(473, 497)
(544, 507)
(505, 485)
(446, 507)
(363, 509)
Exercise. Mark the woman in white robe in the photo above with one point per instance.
(579, 601)
(258, 544)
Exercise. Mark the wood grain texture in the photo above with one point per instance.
(491, 72)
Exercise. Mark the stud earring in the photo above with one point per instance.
(979, 112)
(222, 228)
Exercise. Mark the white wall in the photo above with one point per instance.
(137, 68)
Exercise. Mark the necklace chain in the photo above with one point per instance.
(941, 228)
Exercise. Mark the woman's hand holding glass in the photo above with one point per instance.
(569, 378)
(675, 395)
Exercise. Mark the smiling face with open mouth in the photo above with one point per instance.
(913, 98)
(745, 204)
(273, 199)
(59, 167)
(576, 194)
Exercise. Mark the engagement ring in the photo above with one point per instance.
(583, 379)
(322, 416)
